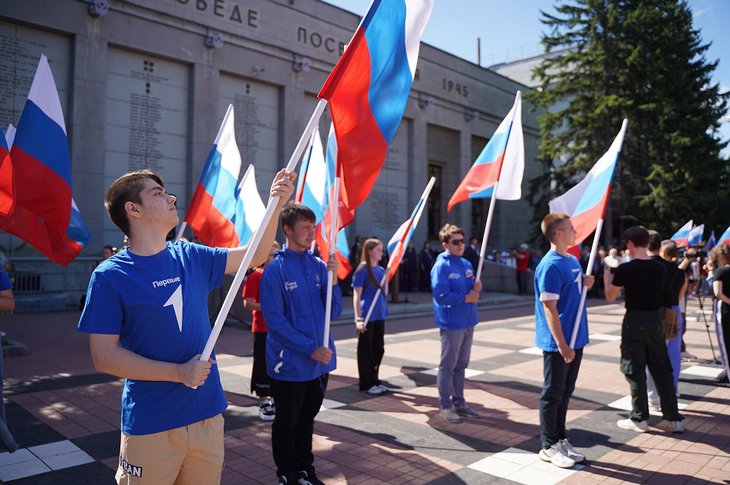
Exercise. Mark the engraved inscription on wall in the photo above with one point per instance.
(384, 215)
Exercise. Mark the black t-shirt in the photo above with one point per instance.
(643, 282)
(723, 274)
(673, 283)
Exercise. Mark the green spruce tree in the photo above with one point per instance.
(638, 59)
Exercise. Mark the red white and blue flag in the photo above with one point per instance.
(502, 160)
(7, 199)
(586, 202)
(314, 182)
(250, 208)
(681, 237)
(725, 238)
(398, 244)
(368, 89)
(44, 213)
(696, 235)
(711, 242)
(212, 210)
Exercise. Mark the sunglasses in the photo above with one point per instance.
(457, 242)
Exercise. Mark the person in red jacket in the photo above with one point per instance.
(260, 382)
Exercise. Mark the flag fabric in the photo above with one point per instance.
(314, 182)
(250, 208)
(403, 236)
(368, 89)
(7, 198)
(342, 251)
(503, 160)
(44, 214)
(681, 237)
(696, 235)
(725, 238)
(586, 202)
(711, 242)
(9, 136)
(213, 207)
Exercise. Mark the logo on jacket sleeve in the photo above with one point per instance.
(290, 285)
(454, 276)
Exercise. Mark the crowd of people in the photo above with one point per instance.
(147, 319)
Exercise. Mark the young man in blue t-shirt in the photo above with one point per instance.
(559, 283)
(293, 298)
(455, 297)
(147, 315)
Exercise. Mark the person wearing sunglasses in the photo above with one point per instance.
(455, 297)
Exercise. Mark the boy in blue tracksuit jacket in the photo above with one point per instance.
(293, 297)
(455, 297)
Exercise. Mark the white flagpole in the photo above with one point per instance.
(259, 234)
(383, 281)
(487, 227)
(180, 231)
(334, 206)
(584, 292)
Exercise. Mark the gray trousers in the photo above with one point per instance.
(455, 354)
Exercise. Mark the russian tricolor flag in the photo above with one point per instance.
(7, 198)
(502, 160)
(398, 244)
(39, 173)
(250, 208)
(711, 242)
(212, 210)
(314, 181)
(696, 235)
(586, 202)
(368, 90)
(681, 237)
(725, 238)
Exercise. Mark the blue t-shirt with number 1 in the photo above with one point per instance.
(562, 276)
(158, 305)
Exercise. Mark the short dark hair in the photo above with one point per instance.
(295, 212)
(638, 235)
(127, 189)
(655, 241)
(448, 231)
(551, 222)
(670, 248)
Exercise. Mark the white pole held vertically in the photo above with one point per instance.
(589, 270)
(334, 207)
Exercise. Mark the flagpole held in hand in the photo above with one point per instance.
(584, 292)
(401, 245)
(181, 231)
(258, 235)
(334, 206)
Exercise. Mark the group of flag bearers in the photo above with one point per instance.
(146, 307)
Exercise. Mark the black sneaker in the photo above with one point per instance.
(306, 478)
(267, 411)
(283, 480)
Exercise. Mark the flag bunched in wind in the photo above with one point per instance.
(725, 238)
(7, 198)
(502, 160)
(711, 241)
(44, 213)
(398, 244)
(586, 202)
(314, 181)
(368, 89)
(696, 235)
(681, 237)
(212, 209)
(250, 208)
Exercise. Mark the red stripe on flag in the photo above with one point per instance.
(477, 179)
(210, 226)
(585, 223)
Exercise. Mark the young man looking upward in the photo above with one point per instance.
(147, 315)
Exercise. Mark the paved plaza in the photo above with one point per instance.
(65, 415)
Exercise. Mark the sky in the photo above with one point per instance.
(511, 29)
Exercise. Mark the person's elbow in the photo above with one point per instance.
(102, 353)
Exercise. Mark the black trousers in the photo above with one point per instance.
(297, 403)
(556, 391)
(370, 351)
(260, 381)
(642, 346)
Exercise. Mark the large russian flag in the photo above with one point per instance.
(212, 210)
(503, 160)
(39, 172)
(250, 208)
(681, 237)
(696, 235)
(586, 202)
(725, 238)
(368, 90)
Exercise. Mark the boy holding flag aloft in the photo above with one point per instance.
(559, 282)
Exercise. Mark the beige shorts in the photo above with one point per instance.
(188, 455)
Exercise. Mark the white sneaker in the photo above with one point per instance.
(556, 456)
(571, 452)
(638, 426)
(675, 427)
(450, 415)
(267, 410)
(383, 388)
(377, 390)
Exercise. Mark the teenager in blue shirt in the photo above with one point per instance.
(293, 297)
(371, 338)
(455, 297)
(559, 282)
(147, 315)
